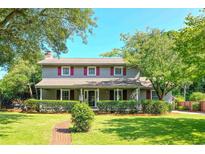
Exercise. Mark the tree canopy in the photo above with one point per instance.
(17, 81)
(168, 59)
(27, 31)
(190, 44)
(153, 53)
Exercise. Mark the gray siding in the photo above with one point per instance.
(52, 72)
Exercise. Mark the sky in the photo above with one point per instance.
(112, 22)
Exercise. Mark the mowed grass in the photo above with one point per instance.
(177, 129)
(21, 128)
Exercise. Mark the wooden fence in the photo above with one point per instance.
(188, 104)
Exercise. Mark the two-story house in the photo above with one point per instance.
(91, 80)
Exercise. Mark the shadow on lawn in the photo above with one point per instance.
(158, 130)
(9, 119)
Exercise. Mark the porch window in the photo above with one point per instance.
(65, 94)
(120, 96)
(118, 71)
(92, 71)
(65, 71)
(154, 95)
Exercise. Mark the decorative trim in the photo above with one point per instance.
(62, 70)
(88, 70)
(121, 71)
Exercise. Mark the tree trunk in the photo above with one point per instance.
(161, 97)
(185, 92)
(30, 90)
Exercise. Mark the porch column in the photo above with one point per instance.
(137, 94)
(98, 95)
(117, 94)
(61, 98)
(41, 94)
(81, 95)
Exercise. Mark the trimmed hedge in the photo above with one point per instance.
(49, 105)
(155, 107)
(133, 106)
(124, 106)
(82, 117)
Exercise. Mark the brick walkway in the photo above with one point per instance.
(61, 134)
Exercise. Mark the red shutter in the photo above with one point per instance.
(111, 71)
(85, 71)
(59, 71)
(98, 71)
(124, 71)
(72, 70)
(148, 94)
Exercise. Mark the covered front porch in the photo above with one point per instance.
(90, 95)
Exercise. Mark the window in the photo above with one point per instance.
(120, 96)
(65, 94)
(66, 71)
(91, 71)
(154, 95)
(118, 71)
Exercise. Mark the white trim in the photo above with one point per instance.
(62, 94)
(121, 67)
(95, 95)
(151, 94)
(137, 94)
(62, 70)
(41, 94)
(88, 71)
(118, 94)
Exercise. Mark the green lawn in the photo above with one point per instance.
(169, 129)
(19, 128)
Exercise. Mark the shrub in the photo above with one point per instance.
(112, 106)
(197, 96)
(50, 105)
(82, 117)
(179, 99)
(155, 107)
(195, 106)
(182, 108)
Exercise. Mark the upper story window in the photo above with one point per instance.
(154, 95)
(91, 71)
(118, 71)
(65, 71)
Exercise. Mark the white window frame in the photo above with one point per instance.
(115, 97)
(121, 71)
(151, 93)
(62, 70)
(89, 72)
(68, 93)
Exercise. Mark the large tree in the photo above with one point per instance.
(153, 53)
(190, 43)
(19, 80)
(26, 31)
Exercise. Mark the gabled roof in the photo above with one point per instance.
(82, 61)
(93, 83)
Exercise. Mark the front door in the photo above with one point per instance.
(91, 98)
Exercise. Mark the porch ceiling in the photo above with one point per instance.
(93, 82)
